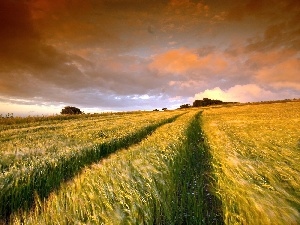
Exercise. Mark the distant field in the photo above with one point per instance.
(211, 165)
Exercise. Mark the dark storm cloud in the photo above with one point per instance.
(26, 60)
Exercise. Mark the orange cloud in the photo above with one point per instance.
(186, 84)
(259, 59)
(187, 5)
(52, 9)
(283, 75)
(85, 52)
(180, 61)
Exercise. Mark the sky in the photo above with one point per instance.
(125, 55)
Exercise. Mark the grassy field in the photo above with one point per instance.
(256, 155)
(37, 157)
(212, 165)
(21, 142)
(158, 181)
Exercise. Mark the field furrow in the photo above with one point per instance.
(87, 141)
(161, 180)
(21, 143)
(235, 164)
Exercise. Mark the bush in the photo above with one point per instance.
(70, 110)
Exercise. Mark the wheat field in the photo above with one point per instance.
(256, 155)
(231, 164)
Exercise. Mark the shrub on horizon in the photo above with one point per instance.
(71, 110)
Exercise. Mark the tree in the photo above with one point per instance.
(185, 106)
(206, 102)
(70, 110)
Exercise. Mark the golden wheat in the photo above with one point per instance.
(256, 161)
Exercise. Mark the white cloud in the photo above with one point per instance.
(19, 109)
(239, 93)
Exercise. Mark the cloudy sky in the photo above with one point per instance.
(120, 55)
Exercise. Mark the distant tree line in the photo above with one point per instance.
(71, 110)
(163, 109)
(185, 106)
(8, 115)
(207, 102)
(204, 102)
